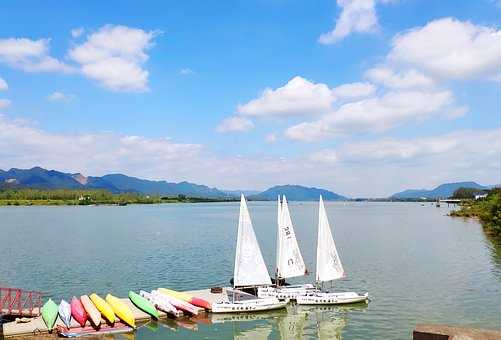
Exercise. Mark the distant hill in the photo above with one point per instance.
(236, 193)
(51, 179)
(297, 193)
(442, 191)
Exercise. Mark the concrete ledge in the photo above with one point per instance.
(444, 332)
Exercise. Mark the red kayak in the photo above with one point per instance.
(200, 303)
(78, 311)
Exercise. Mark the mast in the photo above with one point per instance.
(279, 217)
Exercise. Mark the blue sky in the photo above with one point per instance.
(363, 97)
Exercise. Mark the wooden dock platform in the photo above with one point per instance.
(36, 326)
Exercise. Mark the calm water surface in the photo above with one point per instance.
(418, 264)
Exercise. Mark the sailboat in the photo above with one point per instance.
(249, 271)
(329, 268)
(289, 261)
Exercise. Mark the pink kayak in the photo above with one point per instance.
(179, 304)
(78, 311)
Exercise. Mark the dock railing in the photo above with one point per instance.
(19, 302)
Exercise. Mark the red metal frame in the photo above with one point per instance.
(19, 302)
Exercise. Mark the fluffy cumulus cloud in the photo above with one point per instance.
(114, 57)
(60, 96)
(30, 55)
(376, 114)
(405, 79)
(3, 85)
(450, 49)
(235, 124)
(22, 144)
(357, 16)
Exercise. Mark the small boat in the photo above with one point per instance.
(121, 310)
(329, 268)
(78, 311)
(289, 261)
(65, 313)
(143, 304)
(49, 314)
(92, 312)
(103, 307)
(179, 304)
(161, 304)
(249, 271)
(195, 301)
(118, 327)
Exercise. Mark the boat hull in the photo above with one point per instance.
(285, 292)
(121, 310)
(92, 311)
(249, 306)
(49, 313)
(103, 307)
(195, 301)
(78, 311)
(161, 304)
(65, 313)
(143, 304)
(321, 298)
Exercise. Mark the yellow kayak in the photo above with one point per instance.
(103, 307)
(121, 310)
(196, 301)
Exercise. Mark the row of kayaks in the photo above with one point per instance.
(96, 310)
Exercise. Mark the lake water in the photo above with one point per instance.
(418, 264)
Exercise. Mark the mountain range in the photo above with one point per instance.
(40, 178)
(441, 191)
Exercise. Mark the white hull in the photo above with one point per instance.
(285, 292)
(255, 305)
(321, 298)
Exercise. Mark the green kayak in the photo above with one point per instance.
(49, 313)
(143, 304)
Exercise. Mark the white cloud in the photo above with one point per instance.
(3, 85)
(77, 32)
(186, 72)
(60, 96)
(298, 97)
(4, 103)
(114, 57)
(356, 16)
(234, 124)
(450, 49)
(407, 79)
(30, 55)
(376, 114)
(301, 97)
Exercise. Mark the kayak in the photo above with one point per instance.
(49, 314)
(161, 304)
(94, 314)
(78, 311)
(179, 304)
(121, 310)
(143, 304)
(186, 297)
(103, 307)
(65, 313)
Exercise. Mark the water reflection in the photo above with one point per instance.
(495, 252)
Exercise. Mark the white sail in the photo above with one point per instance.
(329, 265)
(290, 261)
(279, 217)
(250, 269)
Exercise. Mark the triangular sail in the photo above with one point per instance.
(250, 269)
(290, 261)
(329, 265)
(279, 218)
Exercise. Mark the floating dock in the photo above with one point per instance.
(36, 326)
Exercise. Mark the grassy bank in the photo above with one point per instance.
(26, 197)
(487, 210)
